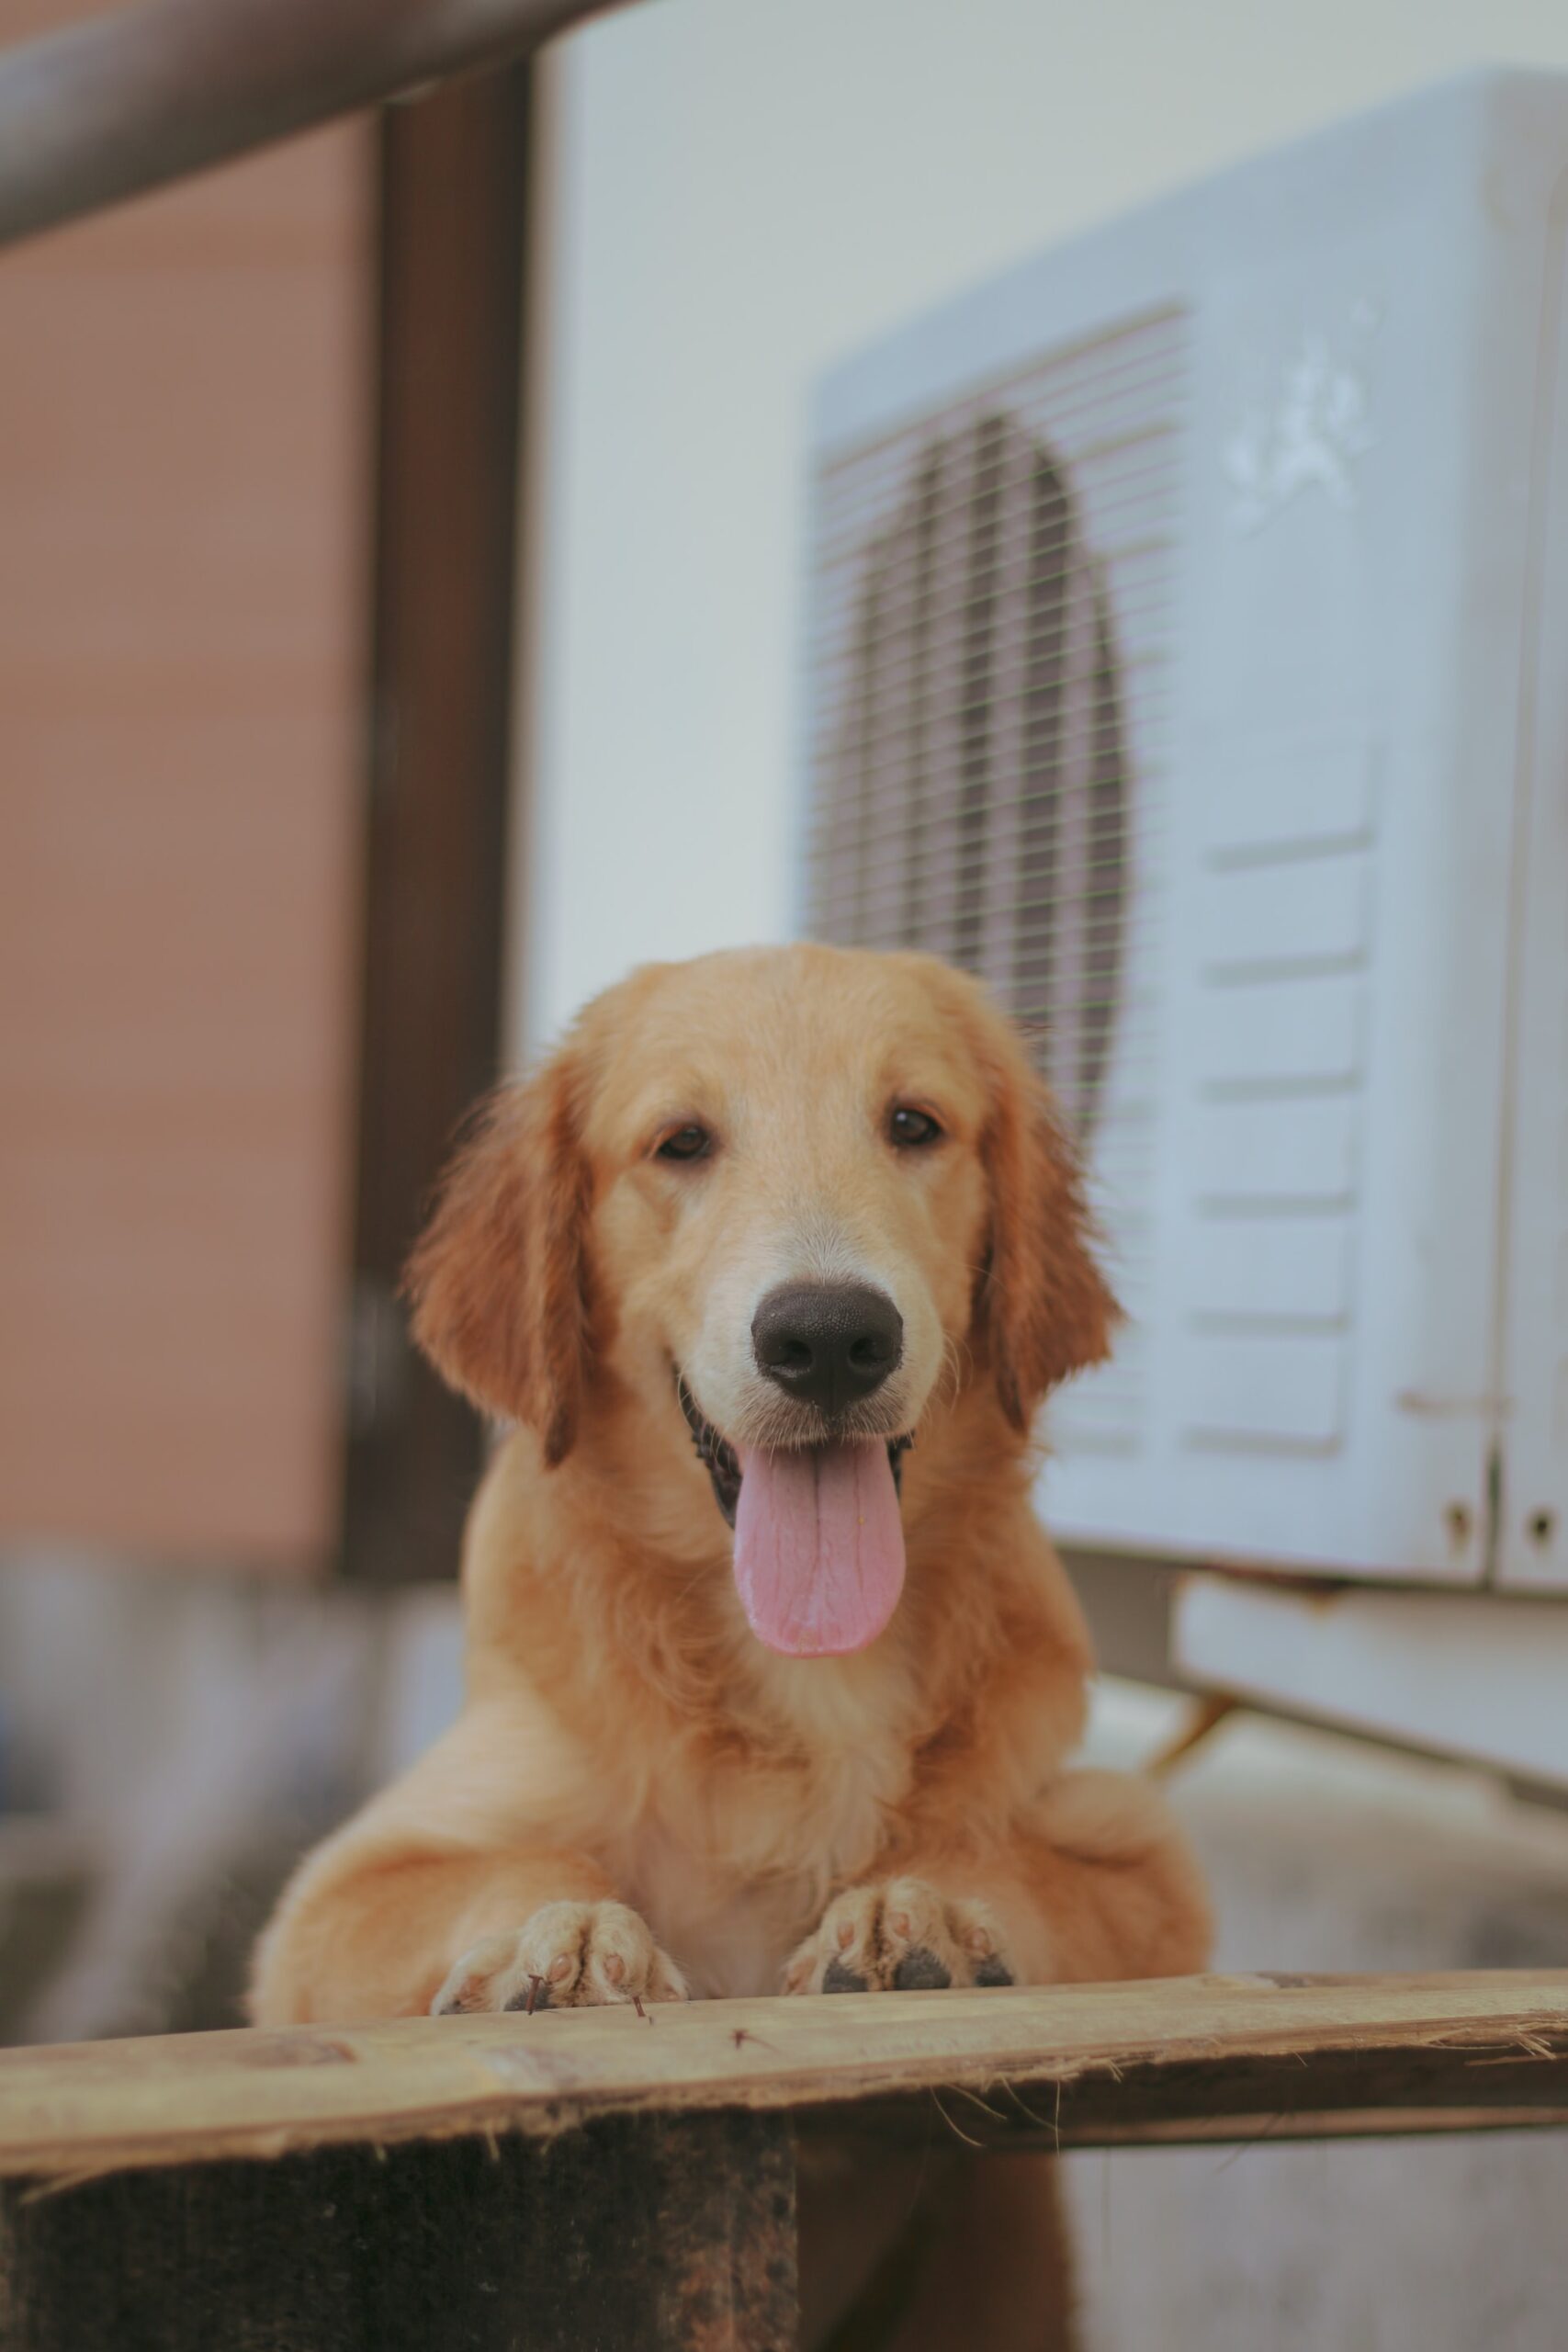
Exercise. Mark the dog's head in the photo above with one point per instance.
(793, 1198)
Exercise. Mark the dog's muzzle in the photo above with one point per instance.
(720, 1461)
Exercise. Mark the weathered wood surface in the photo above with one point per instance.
(1200, 2058)
(634, 2234)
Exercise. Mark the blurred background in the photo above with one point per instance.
(418, 602)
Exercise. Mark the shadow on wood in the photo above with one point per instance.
(628, 2233)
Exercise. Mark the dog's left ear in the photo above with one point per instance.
(498, 1280)
(1043, 1304)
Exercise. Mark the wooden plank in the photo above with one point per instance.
(1209, 2058)
(668, 2236)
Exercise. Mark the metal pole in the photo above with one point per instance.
(121, 104)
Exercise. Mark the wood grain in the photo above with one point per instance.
(668, 2237)
(1200, 2058)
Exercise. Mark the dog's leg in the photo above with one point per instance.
(1104, 1885)
(373, 1926)
(448, 1891)
(1096, 1884)
(999, 2271)
(932, 2253)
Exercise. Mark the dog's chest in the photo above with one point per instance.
(733, 1880)
(730, 1936)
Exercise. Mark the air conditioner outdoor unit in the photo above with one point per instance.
(1188, 654)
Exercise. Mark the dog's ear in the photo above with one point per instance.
(498, 1278)
(1043, 1305)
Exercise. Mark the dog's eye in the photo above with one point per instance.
(913, 1129)
(687, 1143)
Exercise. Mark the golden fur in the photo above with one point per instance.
(639, 1794)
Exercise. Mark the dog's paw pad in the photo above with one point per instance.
(919, 1971)
(993, 1972)
(569, 1955)
(900, 1936)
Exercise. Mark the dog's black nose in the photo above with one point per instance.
(828, 1343)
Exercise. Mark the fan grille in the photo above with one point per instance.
(993, 611)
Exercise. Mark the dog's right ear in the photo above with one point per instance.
(1043, 1304)
(498, 1278)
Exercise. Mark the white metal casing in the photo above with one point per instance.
(1349, 1285)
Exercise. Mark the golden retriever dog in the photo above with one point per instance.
(772, 1677)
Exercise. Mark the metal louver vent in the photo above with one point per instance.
(992, 616)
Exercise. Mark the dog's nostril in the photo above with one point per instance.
(828, 1343)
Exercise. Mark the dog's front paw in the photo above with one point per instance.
(899, 1936)
(567, 1956)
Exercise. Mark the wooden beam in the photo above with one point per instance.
(143, 95)
(1200, 2058)
(666, 2236)
(455, 173)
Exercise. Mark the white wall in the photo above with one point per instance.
(744, 189)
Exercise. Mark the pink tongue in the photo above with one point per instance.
(819, 1547)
